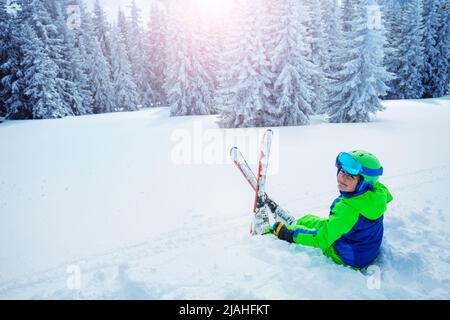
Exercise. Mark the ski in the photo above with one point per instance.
(243, 167)
(279, 213)
(258, 183)
(261, 219)
(262, 166)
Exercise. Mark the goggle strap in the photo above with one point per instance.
(372, 172)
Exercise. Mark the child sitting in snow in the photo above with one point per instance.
(353, 232)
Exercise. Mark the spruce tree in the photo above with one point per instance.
(74, 91)
(40, 85)
(11, 72)
(156, 50)
(4, 38)
(362, 78)
(44, 18)
(430, 51)
(136, 51)
(246, 93)
(318, 53)
(407, 60)
(102, 29)
(188, 85)
(332, 18)
(291, 93)
(436, 48)
(125, 91)
(97, 69)
(77, 71)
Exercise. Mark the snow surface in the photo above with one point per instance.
(108, 196)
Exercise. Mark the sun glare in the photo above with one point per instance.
(212, 9)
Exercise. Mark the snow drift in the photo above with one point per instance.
(144, 206)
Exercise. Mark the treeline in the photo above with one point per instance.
(50, 68)
(265, 63)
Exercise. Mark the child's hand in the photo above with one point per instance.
(282, 232)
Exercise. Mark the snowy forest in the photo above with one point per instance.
(264, 63)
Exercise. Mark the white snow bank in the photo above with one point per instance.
(119, 200)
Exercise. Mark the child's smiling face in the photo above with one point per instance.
(347, 182)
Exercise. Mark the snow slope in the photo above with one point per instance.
(144, 206)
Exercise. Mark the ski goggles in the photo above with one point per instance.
(347, 162)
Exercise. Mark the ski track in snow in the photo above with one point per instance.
(143, 271)
(202, 257)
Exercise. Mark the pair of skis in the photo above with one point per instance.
(257, 182)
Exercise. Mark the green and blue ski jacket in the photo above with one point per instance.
(353, 232)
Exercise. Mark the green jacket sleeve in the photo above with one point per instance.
(341, 221)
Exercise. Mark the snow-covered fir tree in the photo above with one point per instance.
(4, 27)
(407, 59)
(217, 33)
(76, 73)
(122, 24)
(430, 52)
(177, 77)
(176, 73)
(43, 17)
(247, 95)
(436, 39)
(102, 29)
(333, 41)
(346, 6)
(291, 92)
(40, 86)
(204, 53)
(229, 56)
(362, 78)
(97, 69)
(443, 82)
(125, 92)
(136, 51)
(318, 51)
(156, 50)
(188, 85)
(32, 83)
(12, 75)
(390, 52)
(81, 100)
(72, 92)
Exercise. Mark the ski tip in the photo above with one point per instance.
(268, 132)
(268, 135)
(233, 151)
